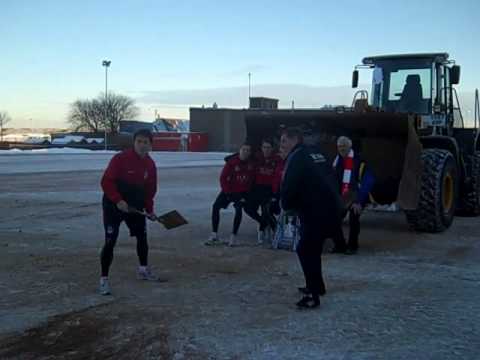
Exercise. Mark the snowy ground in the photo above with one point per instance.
(61, 160)
(404, 296)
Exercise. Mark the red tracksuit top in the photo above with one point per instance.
(129, 176)
(265, 169)
(237, 176)
(277, 178)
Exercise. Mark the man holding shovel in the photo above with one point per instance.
(129, 185)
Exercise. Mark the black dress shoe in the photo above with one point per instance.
(336, 250)
(351, 251)
(304, 290)
(308, 302)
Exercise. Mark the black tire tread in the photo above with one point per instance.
(428, 215)
(470, 205)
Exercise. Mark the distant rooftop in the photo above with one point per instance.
(260, 102)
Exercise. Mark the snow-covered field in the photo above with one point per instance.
(404, 296)
(65, 150)
(67, 159)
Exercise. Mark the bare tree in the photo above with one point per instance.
(119, 107)
(85, 115)
(89, 115)
(4, 120)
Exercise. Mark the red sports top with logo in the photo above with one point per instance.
(237, 176)
(136, 173)
(277, 178)
(265, 169)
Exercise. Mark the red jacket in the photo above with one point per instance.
(237, 176)
(277, 178)
(130, 178)
(265, 169)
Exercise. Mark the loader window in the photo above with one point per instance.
(413, 80)
(410, 90)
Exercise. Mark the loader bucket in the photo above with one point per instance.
(387, 142)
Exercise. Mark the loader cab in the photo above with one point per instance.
(416, 83)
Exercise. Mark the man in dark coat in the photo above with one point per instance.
(309, 188)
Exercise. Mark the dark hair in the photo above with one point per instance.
(246, 143)
(143, 133)
(268, 141)
(293, 132)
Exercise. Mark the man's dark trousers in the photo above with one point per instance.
(354, 224)
(309, 251)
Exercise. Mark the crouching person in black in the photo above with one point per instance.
(262, 193)
(236, 181)
(309, 188)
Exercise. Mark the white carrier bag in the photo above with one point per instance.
(287, 234)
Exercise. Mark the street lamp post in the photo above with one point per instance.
(106, 63)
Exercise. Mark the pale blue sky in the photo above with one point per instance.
(51, 51)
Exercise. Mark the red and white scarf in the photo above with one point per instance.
(347, 170)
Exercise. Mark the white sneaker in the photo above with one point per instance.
(233, 240)
(260, 237)
(104, 287)
(212, 240)
(144, 273)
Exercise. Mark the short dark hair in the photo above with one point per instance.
(143, 133)
(293, 132)
(268, 141)
(246, 143)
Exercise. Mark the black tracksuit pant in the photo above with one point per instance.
(354, 232)
(112, 219)
(240, 202)
(221, 202)
(260, 197)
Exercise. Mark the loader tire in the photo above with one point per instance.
(470, 203)
(439, 192)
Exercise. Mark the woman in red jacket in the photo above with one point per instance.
(236, 181)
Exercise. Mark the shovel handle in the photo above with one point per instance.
(143, 213)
